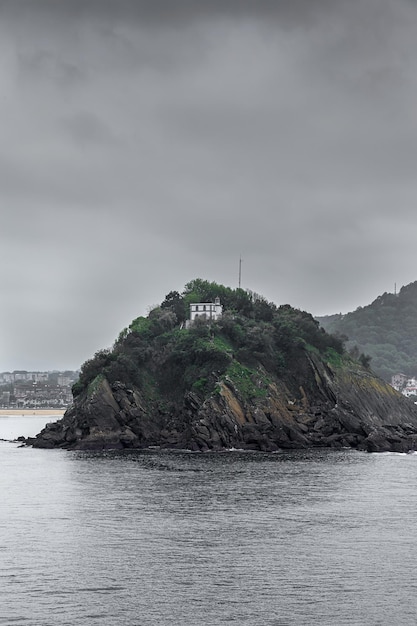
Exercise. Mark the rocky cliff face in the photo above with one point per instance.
(322, 406)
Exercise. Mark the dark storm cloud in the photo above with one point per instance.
(147, 143)
(162, 11)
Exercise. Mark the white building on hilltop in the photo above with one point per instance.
(205, 311)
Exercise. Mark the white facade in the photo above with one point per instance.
(398, 381)
(407, 386)
(206, 310)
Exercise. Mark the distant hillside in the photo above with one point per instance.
(386, 330)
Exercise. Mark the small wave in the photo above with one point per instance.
(391, 453)
(100, 589)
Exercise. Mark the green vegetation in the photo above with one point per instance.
(333, 358)
(252, 342)
(384, 331)
(94, 384)
(249, 383)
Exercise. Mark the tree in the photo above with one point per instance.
(175, 302)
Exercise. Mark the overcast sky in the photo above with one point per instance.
(147, 143)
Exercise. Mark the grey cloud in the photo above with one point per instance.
(145, 144)
(85, 127)
(41, 64)
(165, 11)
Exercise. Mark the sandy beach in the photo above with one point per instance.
(32, 411)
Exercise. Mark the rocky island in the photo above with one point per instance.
(239, 372)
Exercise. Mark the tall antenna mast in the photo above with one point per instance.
(240, 271)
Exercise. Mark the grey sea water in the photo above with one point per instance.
(161, 538)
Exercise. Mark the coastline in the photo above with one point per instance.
(13, 412)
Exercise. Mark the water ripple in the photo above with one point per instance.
(157, 538)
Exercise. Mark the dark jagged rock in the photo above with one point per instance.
(326, 406)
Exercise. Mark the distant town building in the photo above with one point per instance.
(11, 377)
(64, 381)
(398, 381)
(410, 391)
(407, 386)
(21, 389)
